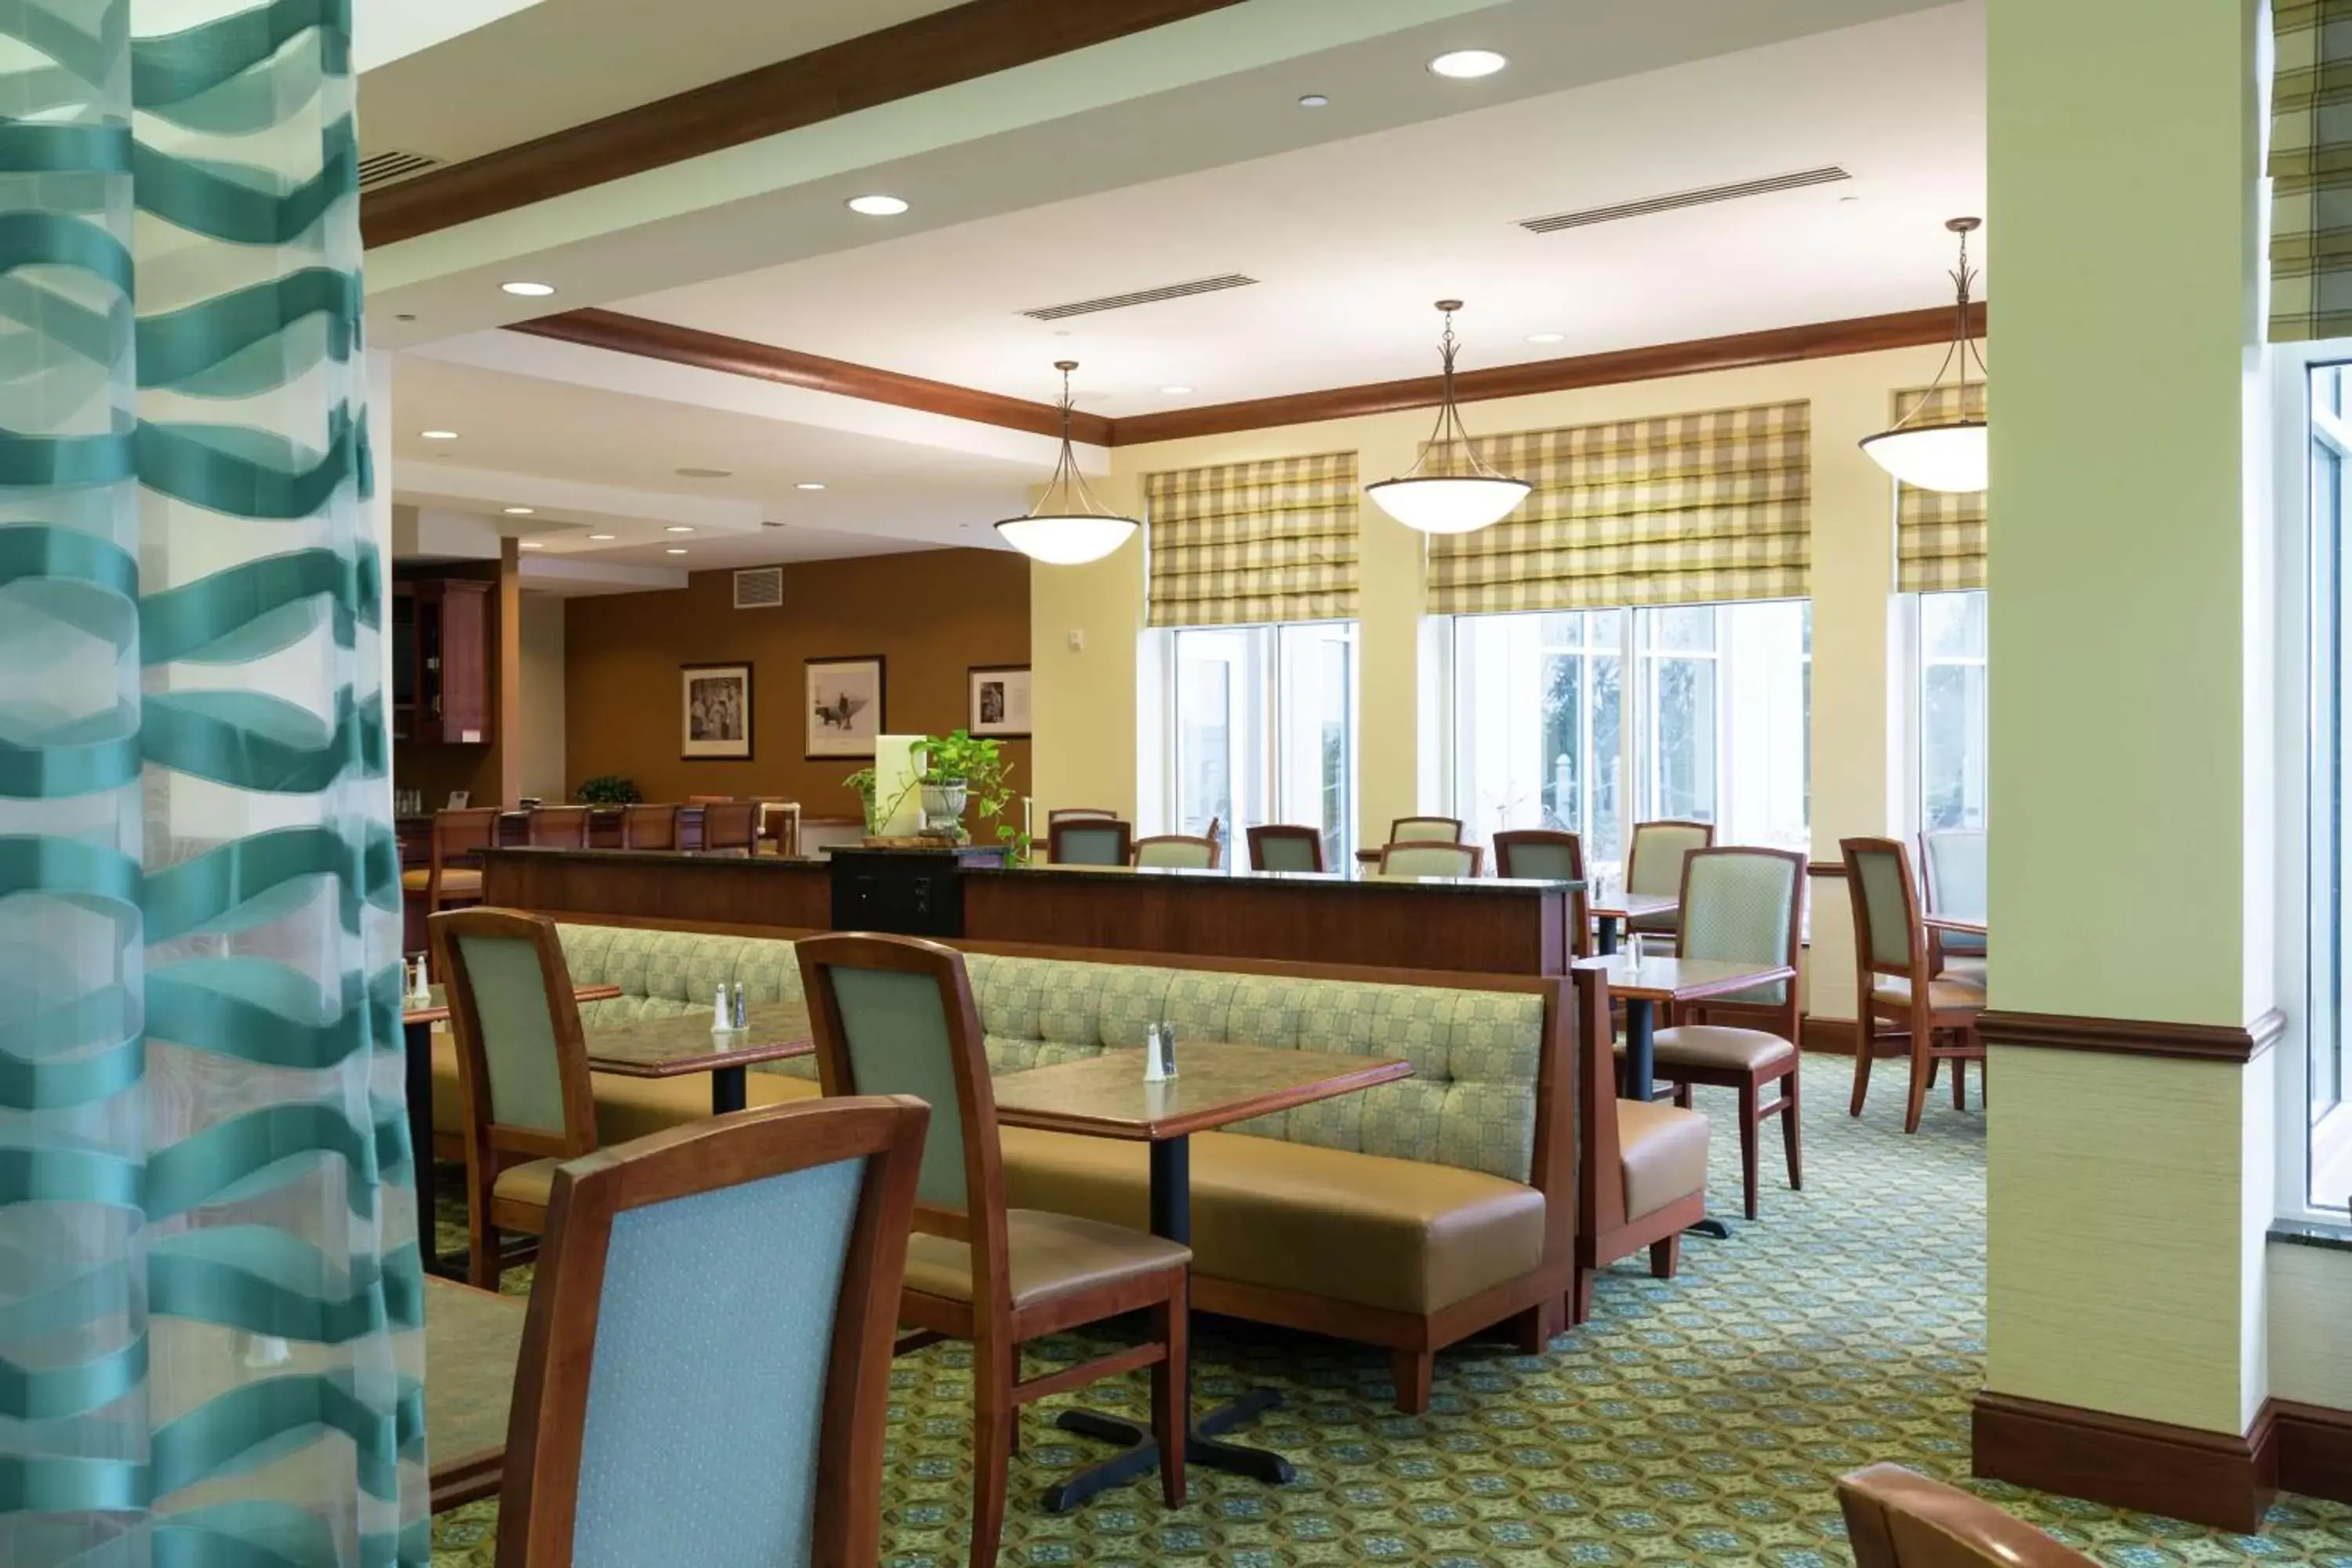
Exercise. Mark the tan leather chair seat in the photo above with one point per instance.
(1663, 1152)
(1941, 991)
(1395, 1234)
(454, 880)
(1965, 972)
(1050, 1254)
(532, 1183)
(626, 1108)
(1719, 1045)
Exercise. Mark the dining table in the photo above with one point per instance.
(1611, 911)
(472, 1341)
(1217, 1084)
(1965, 925)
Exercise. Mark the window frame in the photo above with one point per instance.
(1166, 815)
(1913, 628)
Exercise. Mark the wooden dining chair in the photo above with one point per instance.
(1894, 984)
(1431, 858)
(1747, 905)
(452, 875)
(1952, 867)
(1641, 1166)
(1077, 814)
(705, 1370)
(729, 826)
(559, 828)
(1180, 850)
(1286, 847)
(1425, 829)
(709, 799)
(1089, 841)
(780, 826)
(1546, 855)
(1896, 1518)
(1654, 866)
(649, 828)
(523, 1068)
(896, 1015)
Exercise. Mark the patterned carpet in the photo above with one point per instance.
(1702, 1418)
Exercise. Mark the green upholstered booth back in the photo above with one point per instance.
(1470, 1103)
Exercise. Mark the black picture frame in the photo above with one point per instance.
(723, 748)
(852, 739)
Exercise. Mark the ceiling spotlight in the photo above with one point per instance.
(1176, 391)
(1465, 64)
(1546, 337)
(1313, 100)
(530, 291)
(438, 434)
(877, 205)
(531, 544)
(706, 473)
(600, 539)
(676, 550)
(678, 527)
(810, 484)
(520, 511)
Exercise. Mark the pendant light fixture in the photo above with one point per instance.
(1949, 455)
(1068, 527)
(1450, 489)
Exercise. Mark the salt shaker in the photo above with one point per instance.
(721, 1020)
(420, 986)
(1155, 1065)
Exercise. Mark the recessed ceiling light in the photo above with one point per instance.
(678, 527)
(1176, 391)
(530, 291)
(1313, 100)
(1546, 337)
(1465, 64)
(706, 473)
(677, 550)
(877, 205)
(532, 544)
(520, 511)
(438, 434)
(600, 539)
(810, 484)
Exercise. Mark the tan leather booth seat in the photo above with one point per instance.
(453, 879)
(1401, 1235)
(1663, 1154)
(626, 1108)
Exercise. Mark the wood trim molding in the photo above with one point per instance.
(2237, 1045)
(789, 367)
(2219, 1479)
(1825, 1037)
(624, 334)
(961, 44)
(2314, 1449)
(1831, 869)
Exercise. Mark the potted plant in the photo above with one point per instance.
(960, 771)
(607, 789)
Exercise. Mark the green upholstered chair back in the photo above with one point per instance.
(1279, 846)
(518, 1031)
(1088, 841)
(1430, 859)
(1885, 903)
(1955, 865)
(1742, 904)
(1654, 863)
(735, 1283)
(1539, 857)
(1176, 850)
(1425, 830)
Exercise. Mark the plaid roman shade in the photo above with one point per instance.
(2311, 171)
(1939, 536)
(1690, 508)
(1243, 543)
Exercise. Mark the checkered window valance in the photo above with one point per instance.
(1939, 536)
(2311, 171)
(1690, 508)
(1243, 543)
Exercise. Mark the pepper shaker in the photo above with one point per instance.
(742, 1018)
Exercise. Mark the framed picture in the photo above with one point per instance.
(1000, 701)
(842, 709)
(714, 713)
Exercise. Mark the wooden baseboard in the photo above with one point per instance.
(2314, 1449)
(1829, 1036)
(2219, 1478)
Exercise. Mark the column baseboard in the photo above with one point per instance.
(1828, 1037)
(2224, 1480)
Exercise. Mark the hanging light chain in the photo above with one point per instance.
(1451, 435)
(1069, 482)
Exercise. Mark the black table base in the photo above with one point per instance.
(1172, 1218)
(418, 1082)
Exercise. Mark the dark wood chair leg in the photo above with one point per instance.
(1169, 1388)
(1535, 1328)
(993, 1368)
(1682, 1095)
(1792, 1137)
(1413, 1371)
(1922, 1067)
(1748, 1133)
(1666, 1257)
(1865, 1046)
(1959, 1084)
(1579, 1298)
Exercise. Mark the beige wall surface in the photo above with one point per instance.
(543, 773)
(2310, 1354)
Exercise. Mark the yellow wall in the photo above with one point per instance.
(1088, 705)
(543, 771)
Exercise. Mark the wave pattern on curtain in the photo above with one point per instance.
(209, 1283)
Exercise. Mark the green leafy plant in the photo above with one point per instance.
(865, 784)
(607, 789)
(978, 763)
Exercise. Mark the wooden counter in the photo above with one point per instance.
(755, 895)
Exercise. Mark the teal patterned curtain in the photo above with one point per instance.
(209, 1287)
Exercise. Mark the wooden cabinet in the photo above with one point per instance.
(441, 661)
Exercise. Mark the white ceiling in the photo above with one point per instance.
(1352, 240)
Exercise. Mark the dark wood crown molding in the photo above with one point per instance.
(789, 367)
(961, 44)
(740, 356)
(2134, 1036)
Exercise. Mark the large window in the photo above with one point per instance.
(2330, 955)
(1262, 727)
(1700, 713)
(1951, 723)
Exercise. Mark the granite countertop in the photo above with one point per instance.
(1335, 880)
(692, 857)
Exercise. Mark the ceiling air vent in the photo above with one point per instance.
(1140, 296)
(1827, 174)
(384, 168)
(760, 588)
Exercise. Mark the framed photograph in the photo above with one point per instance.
(1000, 701)
(842, 709)
(714, 713)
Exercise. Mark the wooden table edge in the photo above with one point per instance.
(1961, 923)
(441, 1014)
(1158, 1131)
(1698, 991)
(717, 1061)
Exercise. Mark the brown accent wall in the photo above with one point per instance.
(932, 614)
(482, 771)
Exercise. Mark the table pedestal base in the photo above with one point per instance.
(1138, 1452)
